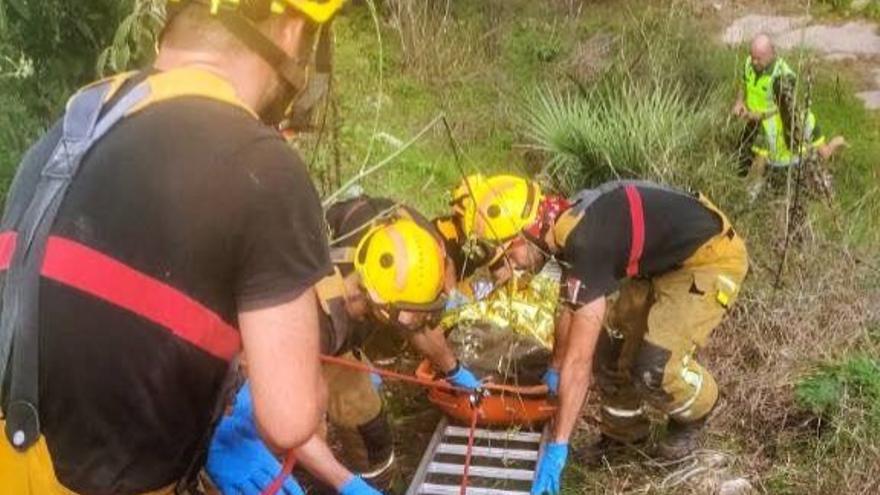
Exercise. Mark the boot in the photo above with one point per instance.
(605, 448)
(682, 439)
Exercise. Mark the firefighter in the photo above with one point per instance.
(160, 226)
(476, 266)
(678, 265)
(389, 274)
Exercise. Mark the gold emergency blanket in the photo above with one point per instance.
(508, 334)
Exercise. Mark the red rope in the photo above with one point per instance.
(441, 384)
(470, 448)
(286, 469)
(290, 460)
(392, 374)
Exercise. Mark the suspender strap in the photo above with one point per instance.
(83, 125)
(637, 220)
(587, 197)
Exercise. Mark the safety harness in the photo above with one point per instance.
(584, 199)
(82, 127)
(30, 252)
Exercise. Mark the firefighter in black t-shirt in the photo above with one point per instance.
(157, 229)
(389, 273)
(678, 265)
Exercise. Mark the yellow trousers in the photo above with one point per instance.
(32, 473)
(359, 424)
(655, 328)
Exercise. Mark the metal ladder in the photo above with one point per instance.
(503, 462)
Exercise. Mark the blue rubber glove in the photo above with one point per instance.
(376, 381)
(357, 486)
(238, 461)
(551, 379)
(462, 377)
(547, 479)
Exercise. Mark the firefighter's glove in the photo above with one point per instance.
(357, 486)
(376, 381)
(549, 473)
(551, 379)
(238, 460)
(463, 378)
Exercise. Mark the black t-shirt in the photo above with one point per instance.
(184, 214)
(597, 241)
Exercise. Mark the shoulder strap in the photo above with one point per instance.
(83, 125)
(331, 296)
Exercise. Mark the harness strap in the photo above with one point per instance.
(293, 70)
(637, 219)
(582, 200)
(83, 125)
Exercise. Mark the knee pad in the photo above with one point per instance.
(650, 367)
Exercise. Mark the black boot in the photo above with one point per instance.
(682, 439)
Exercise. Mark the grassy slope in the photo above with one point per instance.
(478, 71)
(494, 54)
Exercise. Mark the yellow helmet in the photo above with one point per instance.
(401, 264)
(498, 208)
(463, 192)
(317, 11)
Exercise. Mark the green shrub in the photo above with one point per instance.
(846, 394)
(656, 111)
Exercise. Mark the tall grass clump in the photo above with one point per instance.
(650, 113)
(625, 130)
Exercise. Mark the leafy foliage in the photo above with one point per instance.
(61, 38)
(837, 391)
(135, 38)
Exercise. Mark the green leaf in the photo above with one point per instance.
(121, 57)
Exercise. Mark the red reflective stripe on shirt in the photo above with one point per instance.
(7, 248)
(637, 218)
(94, 273)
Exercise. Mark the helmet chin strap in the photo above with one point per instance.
(293, 71)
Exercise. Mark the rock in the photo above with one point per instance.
(857, 38)
(871, 99)
(852, 38)
(745, 28)
(736, 486)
